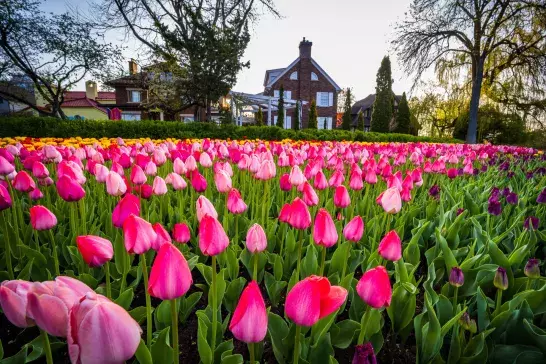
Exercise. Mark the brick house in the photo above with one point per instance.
(304, 80)
(366, 106)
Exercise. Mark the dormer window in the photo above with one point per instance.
(134, 96)
(294, 75)
(314, 76)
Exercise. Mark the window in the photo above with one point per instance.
(367, 114)
(287, 121)
(314, 76)
(325, 99)
(187, 118)
(130, 116)
(324, 122)
(272, 78)
(294, 75)
(134, 96)
(287, 94)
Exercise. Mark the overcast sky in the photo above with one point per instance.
(349, 37)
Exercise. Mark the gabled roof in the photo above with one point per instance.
(84, 102)
(367, 102)
(102, 95)
(268, 82)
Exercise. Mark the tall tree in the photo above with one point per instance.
(207, 38)
(347, 119)
(259, 117)
(48, 54)
(383, 106)
(403, 116)
(470, 35)
(312, 123)
(296, 120)
(360, 121)
(280, 108)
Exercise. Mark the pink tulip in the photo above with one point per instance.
(212, 237)
(204, 160)
(235, 203)
(5, 198)
(284, 182)
(191, 163)
(150, 169)
(162, 238)
(5, 167)
(222, 181)
(391, 201)
(13, 300)
(390, 246)
(39, 170)
(312, 299)
(159, 157)
(100, 331)
(176, 181)
(249, 321)
(299, 217)
(309, 195)
(198, 182)
(284, 214)
(170, 276)
(95, 250)
(324, 229)
(35, 194)
(69, 189)
(101, 173)
(320, 182)
(374, 288)
(128, 205)
(23, 182)
(256, 241)
(341, 197)
(370, 177)
(137, 175)
(355, 183)
(49, 303)
(41, 218)
(115, 185)
(266, 171)
(116, 167)
(354, 229)
(405, 195)
(336, 179)
(159, 187)
(138, 235)
(181, 233)
(296, 176)
(204, 207)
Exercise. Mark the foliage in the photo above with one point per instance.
(312, 122)
(347, 119)
(259, 117)
(403, 116)
(383, 107)
(296, 120)
(360, 121)
(226, 116)
(280, 108)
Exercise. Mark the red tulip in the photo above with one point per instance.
(212, 237)
(137, 175)
(41, 218)
(181, 233)
(284, 182)
(100, 331)
(256, 241)
(95, 250)
(374, 288)
(222, 181)
(128, 205)
(198, 182)
(204, 207)
(299, 218)
(391, 201)
(354, 229)
(23, 182)
(341, 197)
(5, 198)
(235, 203)
(162, 238)
(452, 173)
(312, 299)
(249, 321)
(5, 167)
(324, 229)
(13, 300)
(69, 189)
(39, 170)
(390, 246)
(138, 235)
(170, 276)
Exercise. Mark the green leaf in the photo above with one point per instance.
(187, 304)
(233, 292)
(1, 350)
(277, 330)
(449, 258)
(274, 288)
(33, 254)
(342, 333)
(339, 259)
(233, 359)
(24, 274)
(402, 307)
(161, 351)
(309, 264)
(205, 352)
(225, 348)
(321, 351)
(138, 314)
(19, 358)
(319, 329)
(143, 354)
(125, 299)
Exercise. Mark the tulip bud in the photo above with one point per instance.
(138, 235)
(212, 237)
(23, 182)
(162, 238)
(354, 229)
(456, 277)
(501, 279)
(128, 205)
(5, 167)
(256, 241)
(198, 181)
(5, 198)
(249, 322)
(465, 321)
(364, 354)
(69, 189)
(310, 197)
(374, 288)
(299, 217)
(391, 201)
(320, 182)
(170, 276)
(39, 170)
(41, 218)
(284, 182)
(324, 229)
(181, 233)
(284, 214)
(531, 222)
(13, 300)
(137, 175)
(115, 185)
(341, 197)
(222, 181)
(532, 269)
(390, 247)
(235, 203)
(204, 207)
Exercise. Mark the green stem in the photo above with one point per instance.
(47, 347)
(107, 272)
(297, 345)
(255, 271)
(251, 351)
(363, 324)
(174, 318)
(73, 228)
(322, 261)
(14, 213)
(300, 244)
(214, 308)
(236, 220)
(455, 301)
(81, 205)
(499, 301)
(54, 252)
(148, 302)
(8, 249)
(528, 286)
(346, 262)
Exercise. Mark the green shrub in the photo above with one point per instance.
(38, 127)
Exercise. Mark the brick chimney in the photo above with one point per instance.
(91, 91)
(305, 48)
(133, 67)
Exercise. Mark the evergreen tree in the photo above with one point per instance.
(312, 123)
(325, 123)
(296, 120)
(259, 117)
(280, 109)
(347, 120)
(360, 121)
(384, 103)
(403, 116)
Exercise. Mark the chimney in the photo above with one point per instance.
(91, 90)
(133, 67)
(305, 48)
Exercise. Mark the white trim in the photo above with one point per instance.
(294, 75)
(283, 72)
(314, 64)
(314, 76)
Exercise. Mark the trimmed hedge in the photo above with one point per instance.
(39, 127)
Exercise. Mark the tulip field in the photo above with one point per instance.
(237, 251)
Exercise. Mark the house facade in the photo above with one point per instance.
(88, 104)
(366, 106)
(304, 80)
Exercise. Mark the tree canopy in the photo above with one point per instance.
(347, 119)
(383, 106)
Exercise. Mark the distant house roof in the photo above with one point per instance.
(272, 75)
(367, 103)
(102, 95)
(129, 80)
(83, 102)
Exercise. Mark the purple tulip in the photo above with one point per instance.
(531, 222)
(494, 208)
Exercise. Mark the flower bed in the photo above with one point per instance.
(292, 251)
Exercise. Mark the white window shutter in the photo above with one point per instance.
(331, 96)
(276, 93)
(330, 122)
(288, 95)
(274, 120)
(288, 122)
(318, 98)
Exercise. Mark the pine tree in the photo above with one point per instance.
(347, 120)
(403, 116)
(360, 121)
(384, 103)
(296, 120)
(259, 117)
(312, 123)
(280, 109)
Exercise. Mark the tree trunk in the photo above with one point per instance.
(475, 103)
(209, 112)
